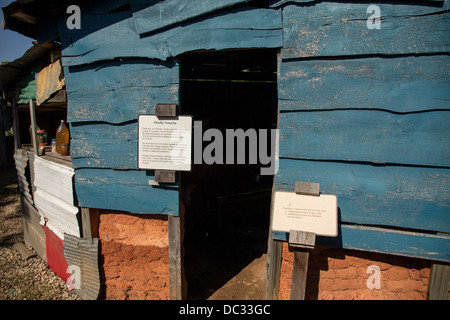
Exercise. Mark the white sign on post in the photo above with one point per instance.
(164, 143)
(305, 213)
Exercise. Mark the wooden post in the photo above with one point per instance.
(273, 264)
(16, 125)
(33, 126)
(439, 281)
(273, 269)
(302, 242)
(89, 223)
(176, 263)
(274, 247)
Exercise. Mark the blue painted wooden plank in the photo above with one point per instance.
(102, 145)
(125, 190)
(101, 7)
(170, 12)
(113, 36)
(382, 240)
(118, 91)
(278, 3)
(106, 37)
(367, 135)
(336, 29)
(408, 197)
(137, 5)
(246, 28)
(401, 84)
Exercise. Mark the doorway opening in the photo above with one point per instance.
(227, 206)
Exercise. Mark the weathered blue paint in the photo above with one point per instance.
(112, 36)
(125, 190)
(382, 240)
(397, 196)
(167, 13)
(278, 3)
(102, 145)
(337, 29)
(367, 135)
(352, 99)
(400, 84)
(105, 100)
(118, 91)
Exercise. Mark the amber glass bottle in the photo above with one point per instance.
(62, 136)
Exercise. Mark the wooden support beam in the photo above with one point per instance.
(299, 274)
(33, 126)
(176, 264)
(89, 223)
(274, 254)
(16, 125)
(273, 269)
(302, 242)
(439, 282)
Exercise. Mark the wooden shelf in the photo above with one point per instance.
(52, 156)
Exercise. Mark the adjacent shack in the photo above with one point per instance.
(362, 110)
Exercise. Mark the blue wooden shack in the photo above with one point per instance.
(360, 98)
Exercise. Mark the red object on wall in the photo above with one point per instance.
(55, 254)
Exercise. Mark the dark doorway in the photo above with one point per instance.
(227, 206)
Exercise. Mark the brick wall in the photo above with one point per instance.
(342, 275)
(134, 256)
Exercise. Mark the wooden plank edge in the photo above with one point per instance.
(384, 240)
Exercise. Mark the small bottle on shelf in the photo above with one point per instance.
(54, 145)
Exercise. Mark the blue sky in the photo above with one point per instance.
(12, 44)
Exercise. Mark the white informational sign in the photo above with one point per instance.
(164, 143)
(305, 213)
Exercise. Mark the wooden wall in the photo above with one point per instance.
(366, 114)
(363, 112)
(115, 71)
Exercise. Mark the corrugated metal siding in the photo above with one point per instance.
(30, 155)
(82, 259)
(54, 197)
(21, 160)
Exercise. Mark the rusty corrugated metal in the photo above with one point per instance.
(82, 259)
(49, 80)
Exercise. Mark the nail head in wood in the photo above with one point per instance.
(307, 188)
(165, 176)
(166, 110)
(302, 239)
